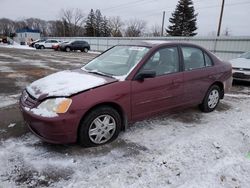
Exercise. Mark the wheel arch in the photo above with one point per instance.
(221, 86)
(116, 106)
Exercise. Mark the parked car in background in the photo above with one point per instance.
(56, 46)
(241, 67)
(83, 46)
(46, 44)
(4, 40)
(32, 44)
(125, 84)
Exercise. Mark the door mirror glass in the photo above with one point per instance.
(145, 74)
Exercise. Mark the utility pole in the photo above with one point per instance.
(163, 21)
(221, 15)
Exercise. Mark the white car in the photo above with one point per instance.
(46, 44)
(241, 67)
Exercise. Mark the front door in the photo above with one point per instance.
(158, 94)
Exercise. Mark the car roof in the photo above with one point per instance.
(153, 43)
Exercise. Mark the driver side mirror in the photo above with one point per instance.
(145, 74)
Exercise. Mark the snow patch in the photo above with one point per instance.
(64, 83)
(8, 100)
(94, 52)
(238, 95)
(17, 46)
(11, 125)
(6, 69)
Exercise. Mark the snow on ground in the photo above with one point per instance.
(94, 52)
(8, 100)
(186, 149)
(6, 69)
(16, 46)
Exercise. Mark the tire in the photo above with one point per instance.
(211, 100)
(67, 49)
(94, 131)
(42, 47)
(85, 50)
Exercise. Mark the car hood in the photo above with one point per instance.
(240, 63)
(66, 83)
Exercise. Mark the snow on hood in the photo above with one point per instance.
(240, 63)
(65, 83)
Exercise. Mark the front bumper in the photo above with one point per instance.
(58, 130)
(241, 75)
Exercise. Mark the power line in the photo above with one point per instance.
(200, 8)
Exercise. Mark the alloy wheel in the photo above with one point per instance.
(102, 129)
(213, 98)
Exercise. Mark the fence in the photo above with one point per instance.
(224, 47)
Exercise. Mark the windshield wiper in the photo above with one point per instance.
(100, 73)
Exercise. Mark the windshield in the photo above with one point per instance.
(118, 61)
(245, 55)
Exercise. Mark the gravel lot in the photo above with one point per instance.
(185, 149)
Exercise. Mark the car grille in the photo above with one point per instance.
(27, 100)
(241, 69)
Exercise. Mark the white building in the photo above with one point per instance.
(27, 35)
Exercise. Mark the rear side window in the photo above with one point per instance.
(193, 58)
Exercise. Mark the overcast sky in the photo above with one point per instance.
(236, 12)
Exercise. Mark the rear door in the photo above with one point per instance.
(155, 95)
(48, 44)
(198, 74)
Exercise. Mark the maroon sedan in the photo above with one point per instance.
(127, 83)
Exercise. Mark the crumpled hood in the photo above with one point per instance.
(66, 83)
(240, 63)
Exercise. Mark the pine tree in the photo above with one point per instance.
(105, 28)
(98, 22)
(183, 20)
(90, 28)
(97, 25)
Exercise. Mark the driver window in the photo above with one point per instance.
(164, 61)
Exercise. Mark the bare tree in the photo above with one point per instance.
(135, 28)
(226, 32)
(156, 30)
(79, 19)
(7, 26)
(116, 26)
(35, 23)
(74, 18)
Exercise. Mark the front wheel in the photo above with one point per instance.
(42, 47)
(100, 126)
(211, 100)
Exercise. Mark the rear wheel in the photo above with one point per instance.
(100, 126)
(42, 47)
(67, 49)
(211, 100)
(85, 50)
